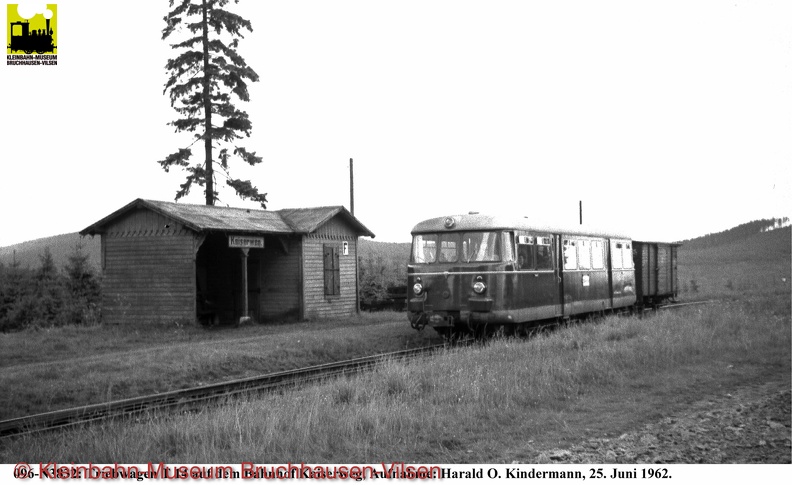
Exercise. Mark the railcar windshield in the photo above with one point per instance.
(448, 248)
(480, 246)
(468, 247)
(424, 249)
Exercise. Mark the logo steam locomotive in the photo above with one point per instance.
(27, 40)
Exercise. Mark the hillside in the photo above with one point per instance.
(386, 261)
(385, 250)
(28, 253)
(766, 246)
(736, 262)
(738, 233)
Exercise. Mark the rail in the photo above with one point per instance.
(672, 306)
(192, 396)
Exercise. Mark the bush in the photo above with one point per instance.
(46, 297)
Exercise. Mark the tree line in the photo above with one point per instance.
(48, 296)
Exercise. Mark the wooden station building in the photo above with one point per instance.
(166, 262)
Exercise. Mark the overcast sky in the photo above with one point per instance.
(668, 119)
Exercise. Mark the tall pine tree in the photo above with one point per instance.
(203, 78)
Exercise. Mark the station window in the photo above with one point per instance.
(570, 254)
(597, 261)
(424, 248)
(584, 254)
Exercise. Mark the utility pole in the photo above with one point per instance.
(351, 187)
(357, 239)
(581, 212)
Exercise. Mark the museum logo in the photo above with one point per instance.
(32, 33)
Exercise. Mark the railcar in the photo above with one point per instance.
(479, 273)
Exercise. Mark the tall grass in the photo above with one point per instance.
(457, 406)
(70, 366)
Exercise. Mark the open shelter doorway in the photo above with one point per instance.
(226, 278)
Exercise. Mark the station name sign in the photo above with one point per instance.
(245, 242)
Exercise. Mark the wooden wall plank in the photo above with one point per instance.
(280, 289)
(317, 304)
(147, 278)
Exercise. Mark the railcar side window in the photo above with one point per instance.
(544, 254)
(525, 253)
(508, 246)
(627, 256)
(448, 248)
(616, 255)
(424, 248)
(480, 246)
(570, 254)
(584, 254)
(597, 261)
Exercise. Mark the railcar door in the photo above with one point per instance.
(537, 297)
(622, 273)
(651, 269)
(571, 280)
(663, 269)
(559, 275)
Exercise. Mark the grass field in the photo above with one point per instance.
(755, 265)
(474, 405)
(62, 367)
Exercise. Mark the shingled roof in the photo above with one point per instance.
(209, 218)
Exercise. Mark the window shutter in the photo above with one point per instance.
(332, 273)
(328, 269)
(336, 271)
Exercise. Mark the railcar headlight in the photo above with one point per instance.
(417, 288)
(479, 286)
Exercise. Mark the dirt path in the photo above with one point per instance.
(747, 425)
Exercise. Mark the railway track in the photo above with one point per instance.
(193, 397)
(673, 306)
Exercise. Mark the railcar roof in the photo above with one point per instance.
(213, 218)
(484, 222)
(653, 241)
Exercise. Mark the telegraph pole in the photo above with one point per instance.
(357, 240)
(351, 187)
